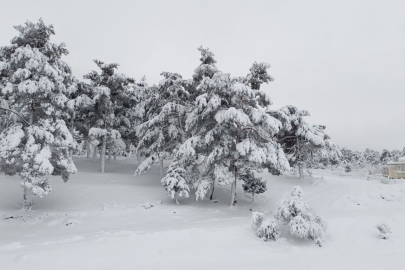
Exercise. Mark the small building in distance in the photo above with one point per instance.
(396, 169)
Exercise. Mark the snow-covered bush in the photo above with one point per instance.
(384, 230)
(266, 229)
(257, 219)
(302, 220)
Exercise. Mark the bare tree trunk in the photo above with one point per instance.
(234, 201)
(27, 199)
(212, 191)
(161, 167)
(300, 170)
(115, 155)
(128, 147)
(109, 154)
(71, 132)
(138, 157)
(95, 151)
(87, 148)
(102, 155)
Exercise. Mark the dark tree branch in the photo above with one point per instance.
(22, 118)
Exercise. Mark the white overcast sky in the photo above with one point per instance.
(341, 60)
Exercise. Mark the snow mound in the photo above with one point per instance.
(147, 205)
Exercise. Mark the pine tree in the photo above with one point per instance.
(303, 144)
(163, 131)
(36, 84)
(111, 95)
(231, 134)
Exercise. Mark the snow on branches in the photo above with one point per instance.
(302, 220)
(36, 84)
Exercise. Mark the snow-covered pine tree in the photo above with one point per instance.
(372, 157)
(80, 110)
(35, 82)
(111, 95)
(301, 141)
(135, 114)
(165, 111)
(258, 75)
(231, 134)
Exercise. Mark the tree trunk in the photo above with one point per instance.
(102, 155)
(115, 155)
(253, 197)
(27, 199)
(300, 170)
(234, 201)
(72, 124)
(87, 148)
(138, 157)
(128, 147)
(161, 167)
(212, 191)
(109, 154)
(95, 151)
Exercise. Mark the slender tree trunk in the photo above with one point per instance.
(87, 148)
(138, 157)
(95, 151)
(109, 154)
(212, 191)
(72, 124)
(115, 155)
(253, 197)
(161, 167)
(128, 147)
(234, 201)
(300, 171)
(102, 155)
(27, 197)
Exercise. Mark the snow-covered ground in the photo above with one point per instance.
(105, 221)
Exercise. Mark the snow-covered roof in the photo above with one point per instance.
(401, 161)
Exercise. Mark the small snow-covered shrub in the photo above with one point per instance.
(384, 230)
(257, 219)
(318, 242)
(302, 220)
(266, 229)
(385, 180)
(147, 205)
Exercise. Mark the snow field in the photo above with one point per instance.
(104, 221)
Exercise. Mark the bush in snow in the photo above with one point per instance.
(266, 229)
(302, 220)
(384, 230)
(257, 219)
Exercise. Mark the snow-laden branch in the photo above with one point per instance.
(22, 118)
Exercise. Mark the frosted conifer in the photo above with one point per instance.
(36, 84)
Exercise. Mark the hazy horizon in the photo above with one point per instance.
(341, 61)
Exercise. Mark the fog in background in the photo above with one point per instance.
(341, 60)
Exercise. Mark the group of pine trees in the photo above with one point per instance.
(216, 129)
(355, 160)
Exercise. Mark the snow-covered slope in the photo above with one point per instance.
(117, 221)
